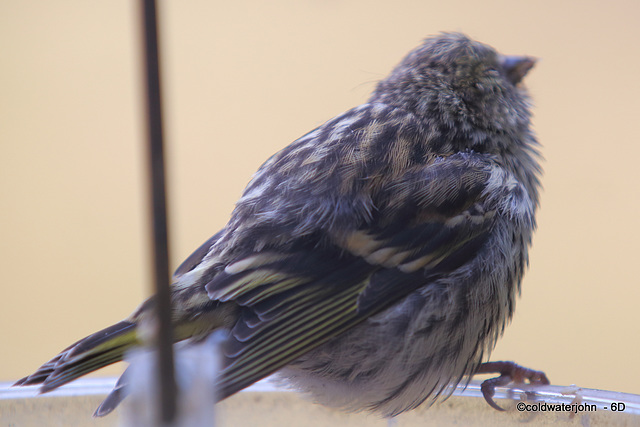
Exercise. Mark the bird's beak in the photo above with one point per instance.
(516, 67)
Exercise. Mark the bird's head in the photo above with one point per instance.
(463, 89)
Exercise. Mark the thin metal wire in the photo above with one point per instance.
(168, 389)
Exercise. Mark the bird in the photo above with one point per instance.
(375, 261)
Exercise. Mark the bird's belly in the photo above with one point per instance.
(421, 347)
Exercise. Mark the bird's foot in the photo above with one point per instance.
(510, 372)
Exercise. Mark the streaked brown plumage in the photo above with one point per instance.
(376, 260)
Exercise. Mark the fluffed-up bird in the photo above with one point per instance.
(375, 261)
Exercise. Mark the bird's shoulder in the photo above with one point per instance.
(360, 182)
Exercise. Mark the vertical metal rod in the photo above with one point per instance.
(168, 390)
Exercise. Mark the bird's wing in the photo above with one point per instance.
(294, 297)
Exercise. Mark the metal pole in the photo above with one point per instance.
(168, 390)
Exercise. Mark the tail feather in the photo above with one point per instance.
(116, 396)
(87, 355)
(200, 317)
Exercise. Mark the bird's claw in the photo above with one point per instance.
(510, 372)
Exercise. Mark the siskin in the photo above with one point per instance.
(375, 261)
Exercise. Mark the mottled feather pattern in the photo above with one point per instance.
(451, 205)
(424, 194)
(376, 260)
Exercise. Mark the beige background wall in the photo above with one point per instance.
(243, 79)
